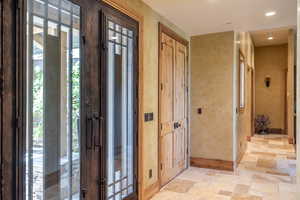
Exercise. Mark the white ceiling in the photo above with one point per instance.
(260, 38)
(207, 16)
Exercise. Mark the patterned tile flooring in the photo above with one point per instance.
(266, 172)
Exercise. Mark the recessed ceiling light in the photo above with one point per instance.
(269, 14)
(270, 38)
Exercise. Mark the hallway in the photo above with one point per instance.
(265, 173)
(270, 154)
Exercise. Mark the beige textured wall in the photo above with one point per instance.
(271, 61)
(244, 118)
(211, 90)
(150, 75)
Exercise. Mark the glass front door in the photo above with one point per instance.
(52, 100)
(121, 108)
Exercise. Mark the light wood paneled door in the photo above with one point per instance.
(172, 106)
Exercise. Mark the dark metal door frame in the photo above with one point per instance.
(107, 12)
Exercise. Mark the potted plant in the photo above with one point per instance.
(262, 123)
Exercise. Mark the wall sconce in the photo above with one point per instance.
(268, 81)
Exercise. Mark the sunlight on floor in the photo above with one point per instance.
(266, 172)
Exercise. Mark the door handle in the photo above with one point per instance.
(89, 133)
(93, 140)
(176, 125)
(96, 136)
(98, 139)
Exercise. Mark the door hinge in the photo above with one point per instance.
(83, 39)
(161, 86)
(1, 82)
(83, 193)
(18, 122)
(103, 45)
(161, 126)
(102, 182)
(161, 166)
(162, 45)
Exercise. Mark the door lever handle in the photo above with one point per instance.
(96, 136)
(92, 138)
(176, 125)
(98, 140)
(89, 133)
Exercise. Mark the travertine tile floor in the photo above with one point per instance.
(266, 172)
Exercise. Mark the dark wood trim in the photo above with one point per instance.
(8, 102)
(212, 164)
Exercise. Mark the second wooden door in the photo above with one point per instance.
(173, 117)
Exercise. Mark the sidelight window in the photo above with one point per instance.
(242, 71)
(52, 100)
(120, 113)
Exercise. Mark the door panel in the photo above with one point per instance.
(179, 107)
(167, 157)
(166, 107)
(167, 59)
(173, 137)
(120, 110)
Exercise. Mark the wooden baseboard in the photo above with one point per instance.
(212, 164)
(151, 191)
(276, 131)
(291, 140)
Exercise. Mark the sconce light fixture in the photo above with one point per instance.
(268, 81)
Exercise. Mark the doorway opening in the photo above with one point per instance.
(267, 120)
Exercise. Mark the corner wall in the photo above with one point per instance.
(244, 118)
(211, 90)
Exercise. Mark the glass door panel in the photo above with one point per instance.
(121, 112)
(53, 100)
